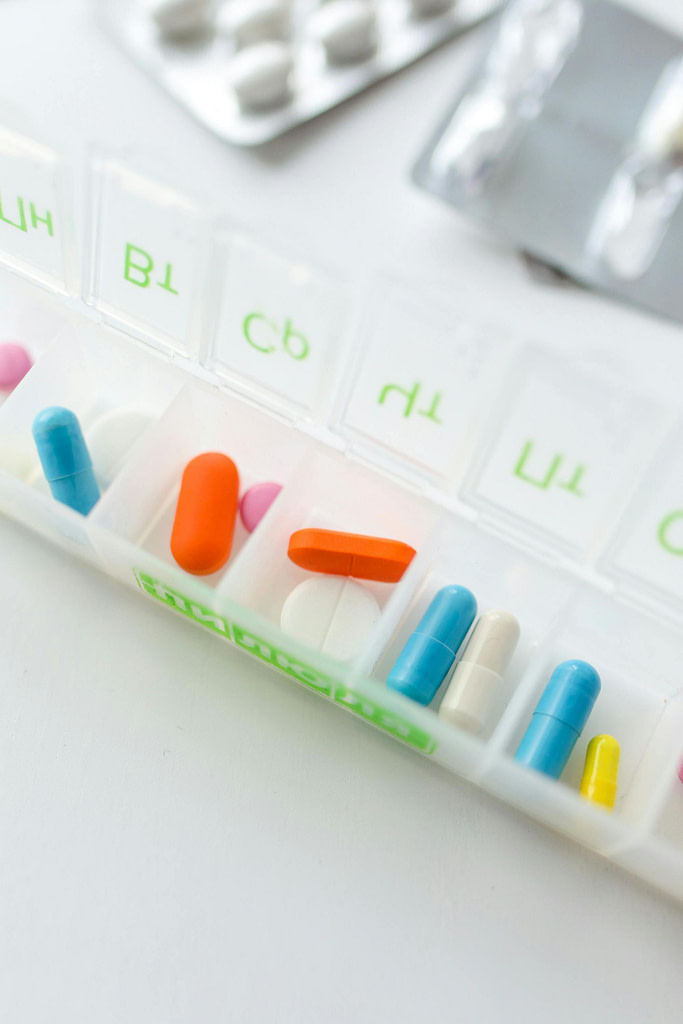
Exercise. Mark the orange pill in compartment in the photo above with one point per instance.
(205, 514)
(350, 554)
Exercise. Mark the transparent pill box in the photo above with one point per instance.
(550, 491)
(568, 140)
(253, 69)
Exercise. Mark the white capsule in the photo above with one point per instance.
(260, 75)
(425, 8)
(332, 614)
(110, 439)
(181, 19)
(249, 22)
(347, 29)
(477, 680)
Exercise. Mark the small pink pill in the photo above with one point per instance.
(680, 771)
(15, 362)
(255, 503)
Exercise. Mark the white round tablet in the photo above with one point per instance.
(332, 614)
(181, 19)
(249, 22)
(110, 439)
(347, 29)
(260, 75)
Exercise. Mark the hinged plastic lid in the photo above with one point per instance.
(281, 326)
(646, 556)
(36, 229)
(421, 385)
(165, 271)
(148, 260)
(563, 456)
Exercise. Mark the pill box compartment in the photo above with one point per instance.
(97, 375)
(329, 492)
(501, 577)
(140, 507)
(639, 704)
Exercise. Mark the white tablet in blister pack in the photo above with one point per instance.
(252, 69)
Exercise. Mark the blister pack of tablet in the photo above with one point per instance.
(252, 69)
(569, 142)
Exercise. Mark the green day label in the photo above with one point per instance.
(360, 705)
(384, 719)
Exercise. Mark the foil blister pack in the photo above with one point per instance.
(251, 70)
(568, 141)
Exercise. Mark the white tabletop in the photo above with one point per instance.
(187, 836)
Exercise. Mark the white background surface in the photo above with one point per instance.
(188, 837)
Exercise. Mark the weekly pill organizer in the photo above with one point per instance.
(548, 492)
(250, 74)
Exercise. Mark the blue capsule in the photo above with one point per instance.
(430, 651)
(65, 458)
(559, 718)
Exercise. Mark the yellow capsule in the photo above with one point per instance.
(599, 782)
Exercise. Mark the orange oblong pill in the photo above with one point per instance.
(350, 554)
(205, 515)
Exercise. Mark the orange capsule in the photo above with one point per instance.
(205, 514)
(350, 554)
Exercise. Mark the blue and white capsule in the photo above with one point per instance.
(65, 458)
(430, 651)
(559, 718)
